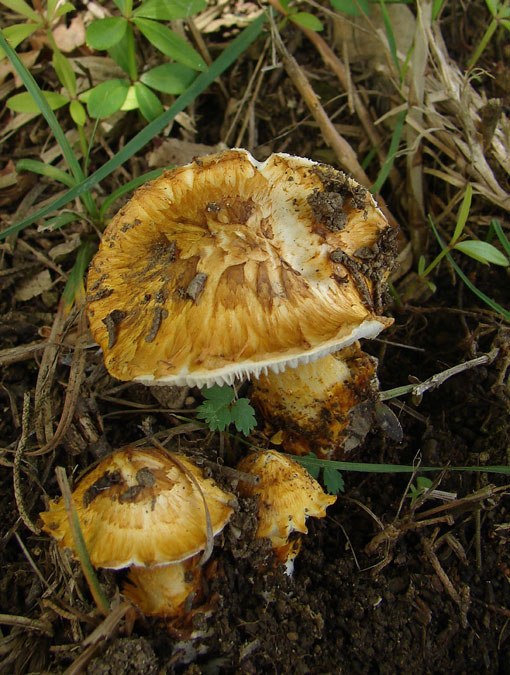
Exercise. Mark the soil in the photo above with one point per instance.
(382, 585)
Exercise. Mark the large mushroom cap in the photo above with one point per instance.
(138, 507)
(229, 267)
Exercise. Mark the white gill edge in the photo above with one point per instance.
(249, 369)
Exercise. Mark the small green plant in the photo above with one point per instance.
(482, 251)
(221, 408)
(44, 20)
(304, 19)
(331, 476)
(416, 491)
(116, 35)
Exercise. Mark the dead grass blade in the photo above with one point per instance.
(16, 470)
(79, 543)
(73, 388)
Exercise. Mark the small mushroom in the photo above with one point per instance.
(229, 268)
(288, 495)
(145, 509)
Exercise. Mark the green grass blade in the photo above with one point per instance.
(463, 214)
(485, 298)
(503, 240)
(363, 467)
(36, 93)
(391, 37)
(395, 142)
(226, 59)
(47, 170)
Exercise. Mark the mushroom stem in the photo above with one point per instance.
(322, 406)
(166, 591)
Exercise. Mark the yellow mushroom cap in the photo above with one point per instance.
(138, 507)
(163, 591)
(280, 261)
(287, 493)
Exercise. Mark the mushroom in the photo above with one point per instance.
(288, 495)
(229, 268)
(145, 509)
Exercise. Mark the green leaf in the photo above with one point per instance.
(21, 7)
(352, 7)
(218, 396)
(333, 480)
(483, 252)
(107, 98)
(423, 483)
(104, 33)
(62, 9)
(123, 53)
(463, 214)
(25, 103)
(170, 43)
(505, 23)
(78, 113)
(285, 5)
(307, 20)
(243, 416)
(70, 157)
(130, 102)
(125, 6)
(219, 410)
(65, 73)
(421, 265)
(149, 104)
(170, 78)
(17, 33)
(493, 6)
(480, 294)
(167, 10)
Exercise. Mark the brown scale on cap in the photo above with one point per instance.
(223, 269)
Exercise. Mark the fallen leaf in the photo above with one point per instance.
(68, 38)
(34, 286)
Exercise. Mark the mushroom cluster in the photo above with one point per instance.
(229, 268)
(147, 510)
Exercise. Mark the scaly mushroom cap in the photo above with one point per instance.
(287, 493)
(138, 507)
(163, 591)
(229, 267)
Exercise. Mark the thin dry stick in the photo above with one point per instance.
(43, 413)
(79, 543)
(24, 622)
(16, 472)
(342, 149)
(208, 524)
(439, 378)
(73, 388)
